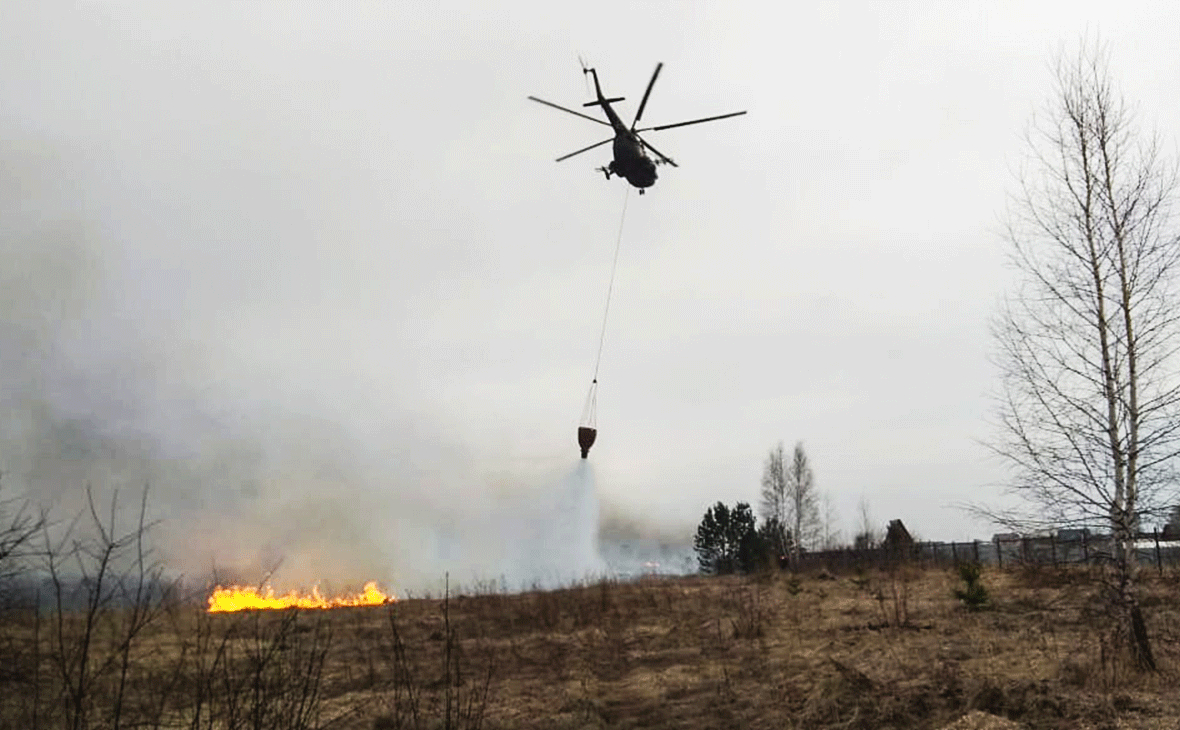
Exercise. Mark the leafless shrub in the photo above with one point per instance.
(20, 523)
(266, 671)
(752, 614)
(414, 703)
(119, 591)
(101, 655)
(891, 590)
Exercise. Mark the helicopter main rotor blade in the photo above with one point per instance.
(694, 121)
(659, 154)
(571, 111)
(584, 149)
(646, 94)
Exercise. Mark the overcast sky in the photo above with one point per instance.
(312, 264)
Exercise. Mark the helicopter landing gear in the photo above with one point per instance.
(641, 191)
(605, 172)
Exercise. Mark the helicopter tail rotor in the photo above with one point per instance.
(586, 71)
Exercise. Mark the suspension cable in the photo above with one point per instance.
(611, 287)
(590, 410)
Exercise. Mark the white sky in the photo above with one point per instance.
(313, 262)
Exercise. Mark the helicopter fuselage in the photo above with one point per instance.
(630, 160)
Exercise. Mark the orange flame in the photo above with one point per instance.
(236, 598)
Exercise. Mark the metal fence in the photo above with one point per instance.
(1151, 549)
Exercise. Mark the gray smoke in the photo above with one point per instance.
(250, 475)
(232, 274)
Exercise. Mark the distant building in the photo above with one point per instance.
(1172, 528)
(1073, 535)
(897, 537)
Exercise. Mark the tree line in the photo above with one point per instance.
(795, 516)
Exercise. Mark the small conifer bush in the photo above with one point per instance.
(973, 594)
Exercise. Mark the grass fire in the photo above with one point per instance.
(237, 598)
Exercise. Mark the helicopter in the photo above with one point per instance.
(631, 160)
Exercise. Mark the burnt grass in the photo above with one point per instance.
(891, 649)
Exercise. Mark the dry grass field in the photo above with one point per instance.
(875, 650)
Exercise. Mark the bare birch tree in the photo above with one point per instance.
(790, 497)
(803, 501)
(774, 508)
(1089, 408)
(774, 486)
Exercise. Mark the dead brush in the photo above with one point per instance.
(899, 585)
(842, 697)
(273, 671)
(892, 595)
(456, 700)
(546, 608)
(613, 649)
(751, 613)
(1031, 574)
(861, 580)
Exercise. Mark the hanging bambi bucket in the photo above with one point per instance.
(588, 430)
(586, 436)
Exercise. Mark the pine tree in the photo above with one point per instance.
(727, 540)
